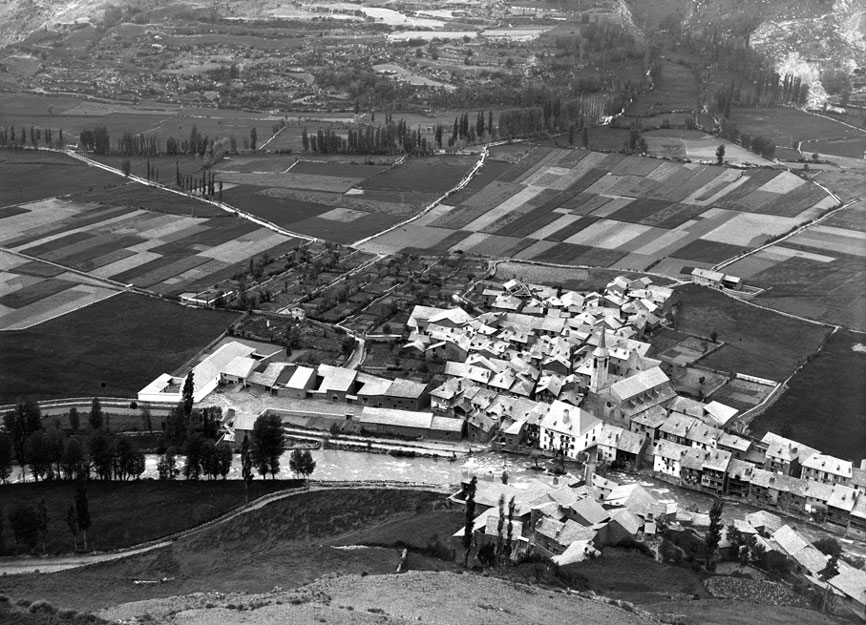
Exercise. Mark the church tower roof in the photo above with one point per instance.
(601, 350)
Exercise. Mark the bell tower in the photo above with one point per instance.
(600, 360)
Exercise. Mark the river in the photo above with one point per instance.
(339, 465)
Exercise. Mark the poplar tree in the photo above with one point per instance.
(714, 532)
(188, 393)
(95, 418)
(82, 510)
(469, 525)
(268, 444)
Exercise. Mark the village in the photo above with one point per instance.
(560, 376)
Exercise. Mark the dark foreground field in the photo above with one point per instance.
(112, 348)
(824, 406)
(287, 543)
(353, 539)
(130, 513)
(757, 342)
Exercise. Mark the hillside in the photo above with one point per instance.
(330, 556)
(413, 597)
(22, 17)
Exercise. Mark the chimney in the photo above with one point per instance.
(565, 416)
(863, 464)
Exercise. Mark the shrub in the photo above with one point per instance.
(440, 550)
(42, 606)
(571, 578)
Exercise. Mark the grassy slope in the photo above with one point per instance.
(129, 513)
(112, 348)
(287, 543)
(830, 421)
(729, 612)
(758, 342)
(42, 614)
(631, 576)
(292, 542)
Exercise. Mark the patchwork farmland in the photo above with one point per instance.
(341, 202)
(164, 253)
(576, 207)
(32, 292)
(819, 272)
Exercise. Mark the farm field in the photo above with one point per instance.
(758, 342)
(695, 145)
(112, 348)
(568, 277)
(577, 207)
(134, 512)
(166, 253)
(819, 273)
(73, 115)
(786, 125)
(851, 148)
(32, 292)
(27, 175)
(847, 183)
(831, 422)
(342, 202)
(676, 90)
(151, 199)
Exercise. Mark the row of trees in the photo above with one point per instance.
(390, 138)
(96, 140)
(204, 458)
(548, 113)
(210, 150)
(770, 89)
(553, 115)
(138, 145)
(9, 138)
(53, 454)
(207, 186)
(50, 453)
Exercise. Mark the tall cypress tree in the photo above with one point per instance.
(82, 510)
(470, 520)
(187, 393)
